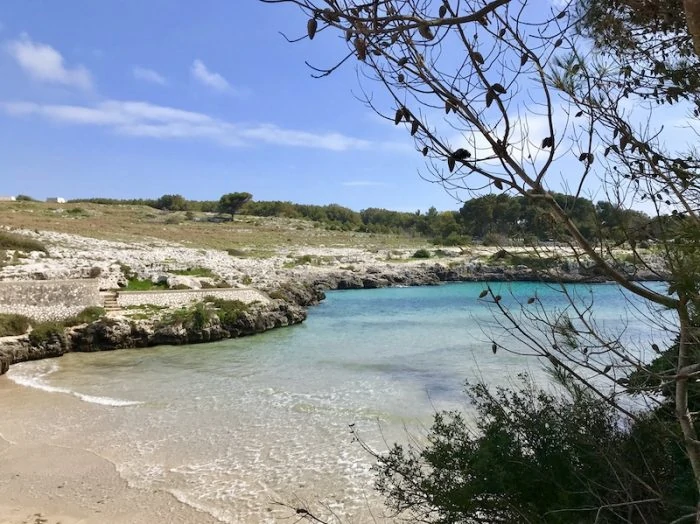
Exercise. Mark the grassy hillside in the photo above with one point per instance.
(141, 223)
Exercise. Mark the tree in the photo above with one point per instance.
(172, 203)
(537, 92)
(231, 203)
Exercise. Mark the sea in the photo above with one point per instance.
(250, 429)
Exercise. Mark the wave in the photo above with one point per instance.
(36, 381)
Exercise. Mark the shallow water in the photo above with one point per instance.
(231, 427)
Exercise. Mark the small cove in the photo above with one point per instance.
(233, 426)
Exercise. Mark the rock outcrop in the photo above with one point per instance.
(112, 333)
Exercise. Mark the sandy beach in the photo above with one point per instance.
(42, 482)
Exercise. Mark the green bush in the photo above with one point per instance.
(86, 316)
(44, 331)
(421, 253)
(534, 456)
(235, 252)
(137, 284)
(228, 311)
(19, 242)
(12, 324)
(195, 272)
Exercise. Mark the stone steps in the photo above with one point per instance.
(110, 302)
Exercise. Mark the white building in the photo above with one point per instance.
(7, 198)
(56, 200)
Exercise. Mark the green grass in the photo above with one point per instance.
(137, 284)
(44, 331)
(19, 242)
(12, 324)
(196, 272)
(86, 316)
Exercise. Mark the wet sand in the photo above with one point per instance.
(49, 483)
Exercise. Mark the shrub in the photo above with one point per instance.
(494, 239)
(534, 456)
(19, 242)
(95, 272)
(12, 324)
(421, 253)
(86, 316)
(173, 219)
(228, 311)
(195, 272)
(136, 284)
(24, 198)
(45, 331)
(234, 252)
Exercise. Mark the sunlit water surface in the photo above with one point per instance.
(234, 426)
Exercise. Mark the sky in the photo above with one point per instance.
(140, 99)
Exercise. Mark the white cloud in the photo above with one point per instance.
(143, 119)
(148, 75)
(208, 78)
(43, 63)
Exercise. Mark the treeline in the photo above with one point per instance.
(491, 219)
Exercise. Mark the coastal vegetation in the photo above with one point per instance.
(513, 218)
(19, 243)
(14, 324)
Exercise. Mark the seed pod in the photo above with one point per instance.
(478, 57)
(425, 151)
(607, 369)
(442, 11)
(494, 348)
(523, 59)
(348, 34)
(414, 127)
(397, 116)
(498, 183)
(311, 27)
(498, 88)
(361, 48)
(483, 293)
(406, 114)
(461, 154)
(402, 61)
(425, 32)
(451, 163)
(530, 300)
(497, 298)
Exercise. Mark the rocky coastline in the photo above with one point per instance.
(118, 332)
(294, 283)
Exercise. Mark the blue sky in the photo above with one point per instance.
(138, 99)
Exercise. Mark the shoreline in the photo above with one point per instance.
(118, 332)
(43, 482)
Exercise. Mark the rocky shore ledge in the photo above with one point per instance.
(120, 332)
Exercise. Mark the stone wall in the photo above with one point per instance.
(48, 299)
(183, 297)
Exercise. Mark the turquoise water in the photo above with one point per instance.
(233, 426)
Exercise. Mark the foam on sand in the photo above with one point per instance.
(35, 378)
